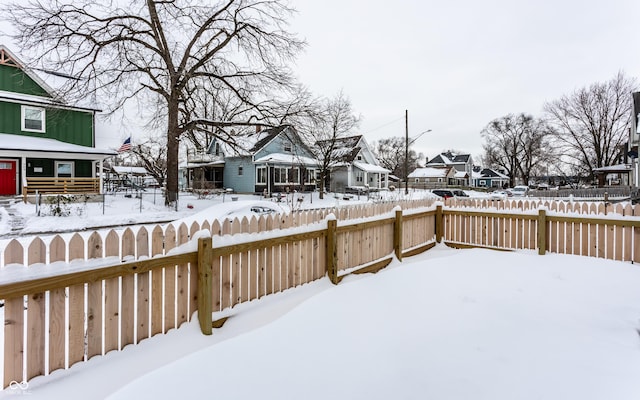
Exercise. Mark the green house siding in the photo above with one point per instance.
(45, 168)
(68, 126)
(14, 80)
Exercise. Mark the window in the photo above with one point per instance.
(64, 169)
(287, 147)
(240, 171)
(294, 175)
(280, 175)
(261, 175)
(33, 119)
(359, 157)
(359, 176)
(311, 176)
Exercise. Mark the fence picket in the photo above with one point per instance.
(246, 272)
(13, 322)
(182, 310)
(157, 248)
(128, 311)
(94, 301)
(112, 296)
(143, 302)
(169, 302)
(236, 264)
(268, 261)
(76, 306)
(226, 270)
(35, 346)
(261, 261)
(57, 299)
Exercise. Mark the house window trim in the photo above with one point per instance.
(57, 167)
(23, 109)
(287, 147)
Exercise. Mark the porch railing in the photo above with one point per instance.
(61, 186)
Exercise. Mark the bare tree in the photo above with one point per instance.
(152, 155)
(592, 123)
(330, 126)
(516, 143)
(166, 53)
(390, 153)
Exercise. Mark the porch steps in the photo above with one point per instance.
(16, 221)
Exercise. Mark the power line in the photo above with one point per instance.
(382, 126)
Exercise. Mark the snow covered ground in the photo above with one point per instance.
(447, 324)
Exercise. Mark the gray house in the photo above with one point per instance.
(270, 160)
(463, 164)
(356, 167)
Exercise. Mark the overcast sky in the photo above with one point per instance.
(455, 65)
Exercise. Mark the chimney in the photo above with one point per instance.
(258, 128)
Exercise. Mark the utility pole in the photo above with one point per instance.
(406, 152)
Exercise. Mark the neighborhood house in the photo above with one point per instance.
(45, 144)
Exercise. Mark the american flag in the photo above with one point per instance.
(126, 146)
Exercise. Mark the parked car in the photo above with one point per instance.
(499, 195)
(460, 193)
(444, 193)
(519, 191)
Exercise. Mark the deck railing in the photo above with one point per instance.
(61, 186)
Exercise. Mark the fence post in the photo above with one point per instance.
(332, 256)
(397, 235)
(205, 285)
(542, 232)
(439, 224)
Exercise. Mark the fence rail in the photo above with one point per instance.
(155, 279)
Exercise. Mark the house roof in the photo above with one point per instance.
(449, 158)
(121, 169)
(614, 168)
(345, 149)
(49, 82)
(461, 174)
(13, 59)
(282, 158)
(30, 143)
(430, 172)
(489, 173)
(370, 168)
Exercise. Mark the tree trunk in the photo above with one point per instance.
(173, 146)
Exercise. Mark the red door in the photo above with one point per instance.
(7, 177)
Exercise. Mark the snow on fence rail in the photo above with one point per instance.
(155, 279)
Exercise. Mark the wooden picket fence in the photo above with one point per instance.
(67, 301)
(594, 229)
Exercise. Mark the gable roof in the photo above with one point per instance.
(345, 149)
(449, 158)
(489, 173)
(10, 59)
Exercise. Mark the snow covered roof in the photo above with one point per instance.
(614, 168)
(286, 159)
(461, 174)
(430, 172)
(121, 169)
(370, 168)
(489, 173)
(30, 143)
